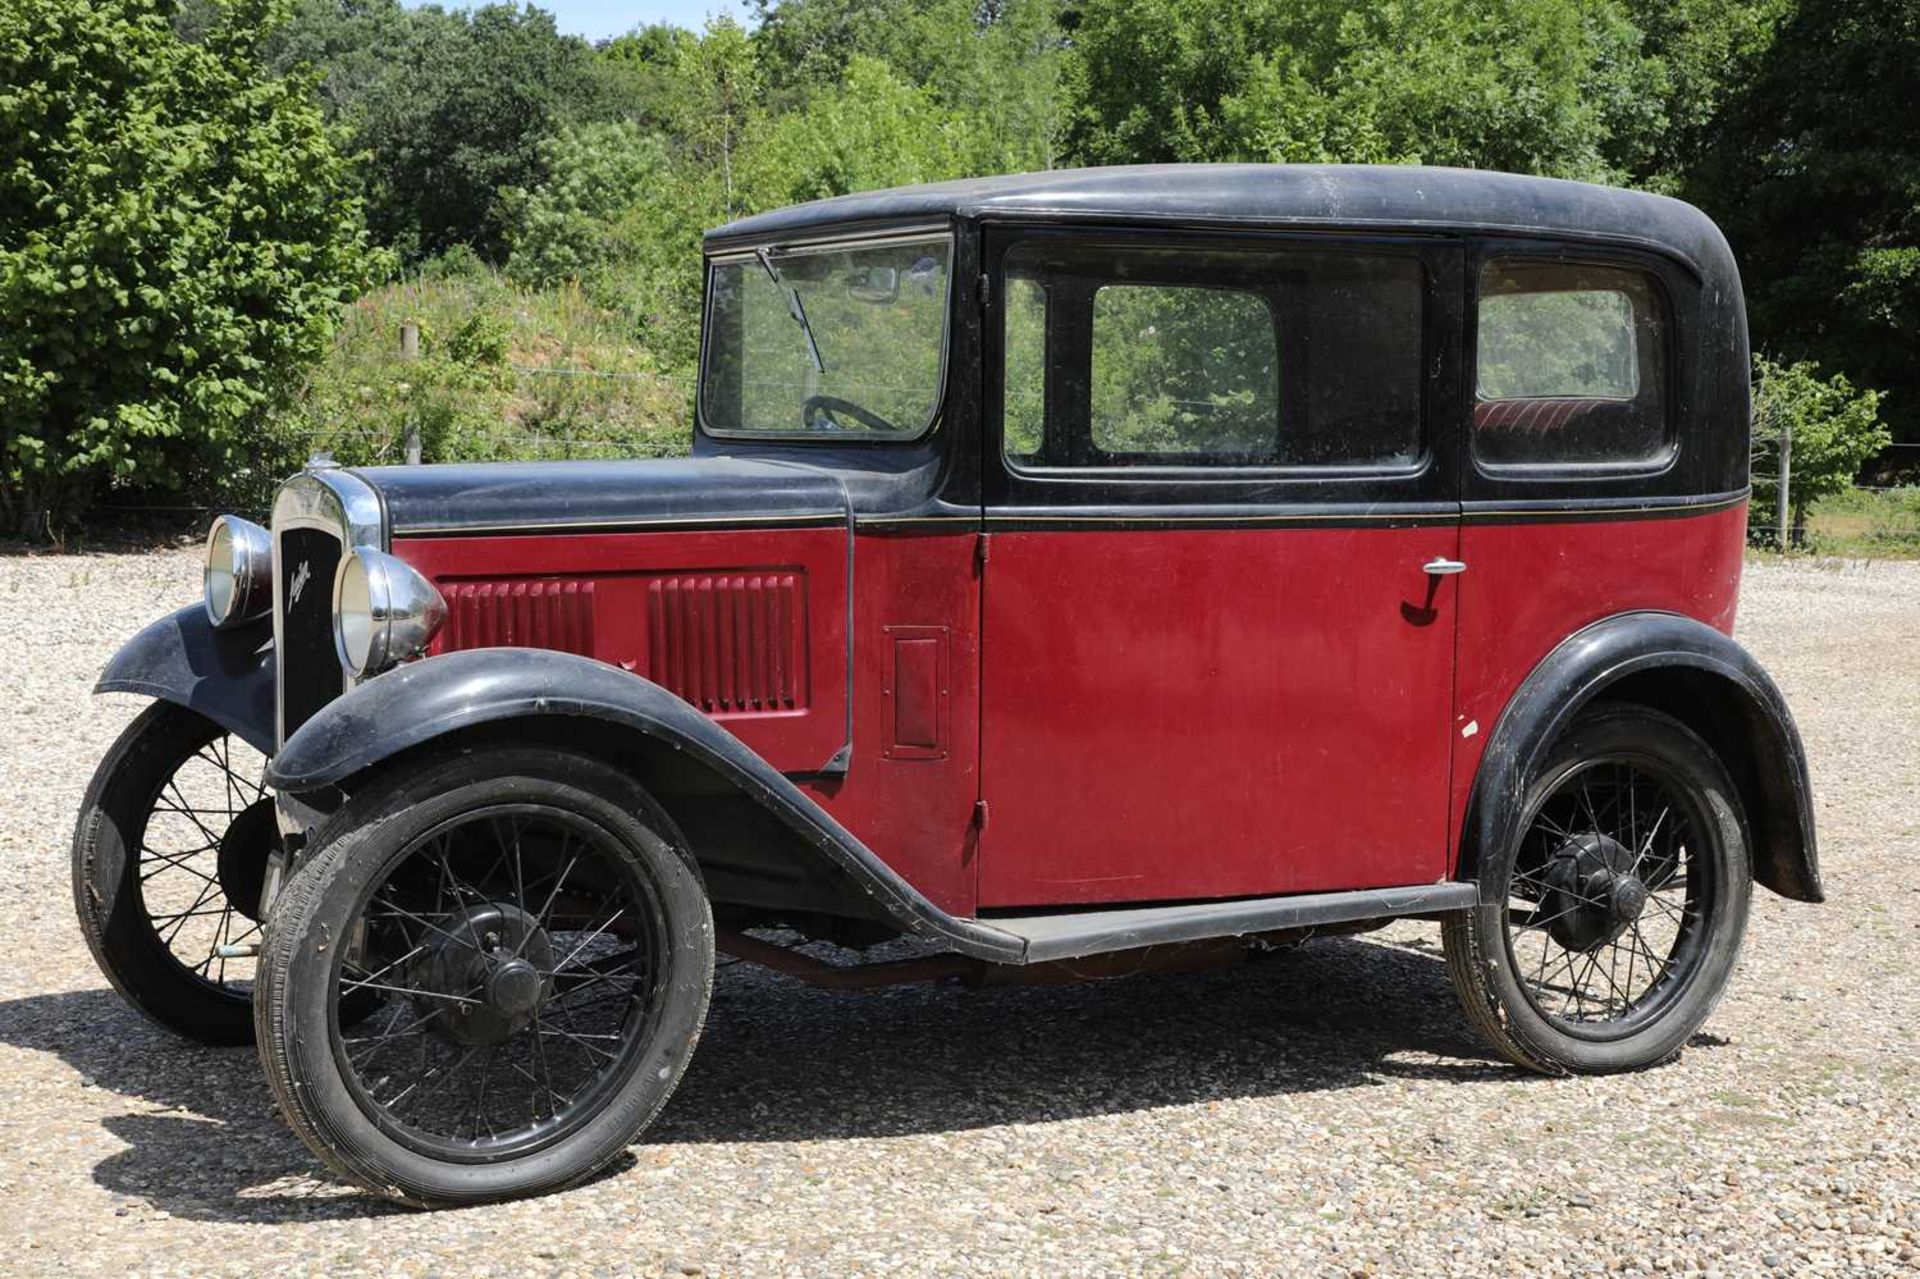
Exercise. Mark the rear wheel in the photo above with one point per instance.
(541, 950)
(1607, 931)
(168, 859)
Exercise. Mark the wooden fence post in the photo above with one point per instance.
(1783, 515)
(410, 350)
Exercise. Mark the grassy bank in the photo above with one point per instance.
(1867, 523)
(501, 373)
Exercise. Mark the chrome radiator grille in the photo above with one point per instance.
(317, 516)
(309, 670)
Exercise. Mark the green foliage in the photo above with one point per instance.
(177, 233)
(1694, 55)
(1835, 430)
(577, 222)
(996, 64)
(875, 130)
(449, 108)
(1522, 85)
(1815, 176)
(1867, 522)
(503, 372)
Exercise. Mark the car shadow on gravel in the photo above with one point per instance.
(221, 1155)
(781, 1061)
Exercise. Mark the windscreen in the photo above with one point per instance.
(834, 339)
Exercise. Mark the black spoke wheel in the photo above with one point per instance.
(1607, 930)
(168, 860)
(539, 951)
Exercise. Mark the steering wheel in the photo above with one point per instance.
(818, 412)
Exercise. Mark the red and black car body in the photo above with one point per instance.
(1045, 698)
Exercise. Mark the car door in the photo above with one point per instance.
(1218, 611)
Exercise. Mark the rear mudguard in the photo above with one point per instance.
(421, 701)
(1720, 690)
(226, 675)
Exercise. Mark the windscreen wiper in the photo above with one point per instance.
(794, 307)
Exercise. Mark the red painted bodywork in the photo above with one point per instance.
(1147, 714)
(1216, 713)
(910, 801)
(759, 639)
(1530, 585)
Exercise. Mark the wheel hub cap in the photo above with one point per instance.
(486, 974)
(244, 848)
(1595, 896)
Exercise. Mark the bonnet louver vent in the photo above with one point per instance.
(730, 643)
(521, 614)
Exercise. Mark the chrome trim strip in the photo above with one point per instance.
(332, 499)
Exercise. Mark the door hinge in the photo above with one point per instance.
(980, 550)
(980, 814)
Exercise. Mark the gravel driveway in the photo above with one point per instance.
(1325, 1113)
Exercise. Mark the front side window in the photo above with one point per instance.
(1570, 367)
(838, 340)
(1131, 356)
(1180, 370)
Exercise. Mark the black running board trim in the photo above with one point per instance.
(1076, 934)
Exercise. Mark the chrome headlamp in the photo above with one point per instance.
(383, 611)
(239, 571)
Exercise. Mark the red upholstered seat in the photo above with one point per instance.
(1535, 416)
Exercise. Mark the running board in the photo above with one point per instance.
(1075, 934)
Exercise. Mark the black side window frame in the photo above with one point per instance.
(1683, 467)
(1428, 483)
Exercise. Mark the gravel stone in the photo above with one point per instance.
(1323, 1113)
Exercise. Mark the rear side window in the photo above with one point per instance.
(1128, 356)
(1570, 367)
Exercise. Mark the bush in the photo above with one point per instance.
(1835, 430)
(177, 234)
(503, 373)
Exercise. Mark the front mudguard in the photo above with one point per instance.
(440, 697)
(226, 675)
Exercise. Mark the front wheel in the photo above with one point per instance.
(168, 859)
(1608, 929)
(540, 952)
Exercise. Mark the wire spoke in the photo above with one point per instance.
(459, 1057)
(1582, 950)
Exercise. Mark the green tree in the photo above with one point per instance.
(718, 102)
(995, 61)
(448, 109)
(1531, 86)
(1835, 430)
(1815, 176)
(1693, 55)
(177, 233)
(875, 130)
(577, 222)
(638, 76)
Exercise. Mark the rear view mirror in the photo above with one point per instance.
(875, 284)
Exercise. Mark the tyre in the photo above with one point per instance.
(168, 859)
(541, 949)
(1607, 931)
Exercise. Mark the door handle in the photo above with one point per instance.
(1441, 566)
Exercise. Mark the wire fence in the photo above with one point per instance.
(1879, 513)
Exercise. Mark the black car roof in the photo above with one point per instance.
(1381, 197)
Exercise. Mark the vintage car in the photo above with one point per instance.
(1076, 574)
